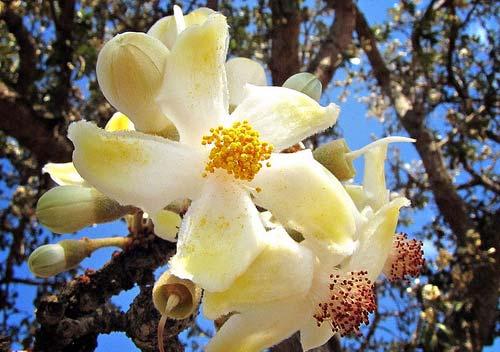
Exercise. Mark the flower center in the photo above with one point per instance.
(351, 299)
(405, 259)
(236, 149)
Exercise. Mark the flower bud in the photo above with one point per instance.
(130, 70)
(174, 297)
(47, 260)
(306, 83)
(332, 155)
(66, 209)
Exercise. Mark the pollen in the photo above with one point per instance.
(405, 259)
(350, 300)
(236, 149)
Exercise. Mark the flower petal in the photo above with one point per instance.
(283, 269)
(119, 122)
(194, 93)
(260, 328)
(165, 29)
(136, 169)
(283, 116)
(312, 335)
(64, 174)
(166, 224)
(220, 236)
(241, 71)
(303, 195)
(375, 241)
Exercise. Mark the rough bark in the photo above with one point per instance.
(72, 319)
(19, 120)
(286, 19)
(334, 46)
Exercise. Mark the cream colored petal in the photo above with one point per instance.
(166, 224)
(241, 71)
(130, 70)
(221, 234)
(119, 122)
(136, 169)
(357, 194)
(165, 29)
(260, 328)
(194, 93)
(303, 195)
(312, 335)
(64, 174)
(283, 269)
(376, 239)
(374, 178)
(283, 116)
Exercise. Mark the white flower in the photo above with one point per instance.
(220, 162)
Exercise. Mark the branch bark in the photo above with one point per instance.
(81, 311)
(333, 48)
(285, 31)
(20, 121)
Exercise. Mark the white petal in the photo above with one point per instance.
(303, 195)
(166, 224)
(119, 122)
(283, 116)
(260, 328)
(283, 269)
(241, 71)
(312, 335)
(64, 174)
(220, 236)
(376, 239)
(194, 93)
(165, 29)
(134, 168)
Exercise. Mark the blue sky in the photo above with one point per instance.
(356, 128)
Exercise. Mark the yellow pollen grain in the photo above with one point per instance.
(236, 149)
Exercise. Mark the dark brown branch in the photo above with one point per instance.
(21, 122)
(286, 19)
(82, 297)
(334, 46)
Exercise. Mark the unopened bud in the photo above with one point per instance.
(130, 70)
(52, 259)
(66, 209)
(332, 155)
(47, 260)
(174, 297)
(306, 83)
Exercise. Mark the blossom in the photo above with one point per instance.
(222, 162)
(340, 295)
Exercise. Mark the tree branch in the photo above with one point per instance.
(285, 31)
(76, 315)
(333, 47)
(20, 121)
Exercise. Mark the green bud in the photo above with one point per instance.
(306, 83)
(67, 209)
(48, 260)
(130, 70)
(332, 155)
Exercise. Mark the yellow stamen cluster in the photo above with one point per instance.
(236, 149)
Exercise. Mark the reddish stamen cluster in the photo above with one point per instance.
(406, 258)
(351, 300)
